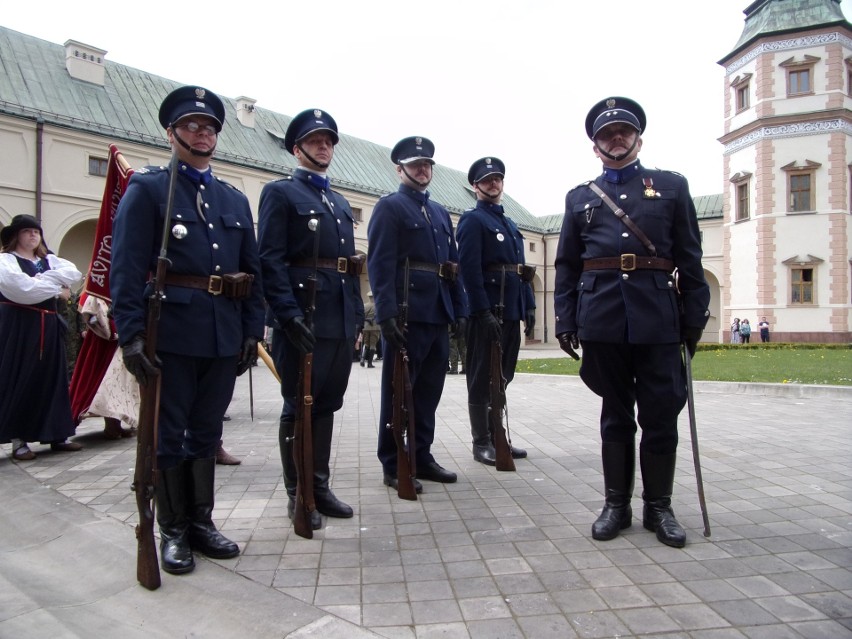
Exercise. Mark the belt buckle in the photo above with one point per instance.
(214, 285)
(441, 273)
(628, 261)
(342, 264)
(519, 270)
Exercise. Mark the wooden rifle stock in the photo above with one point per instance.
(147, 570)
(402, 426)
(303, 450)
(497, 387)
(497, 384)
(145, 472)
(303, 437)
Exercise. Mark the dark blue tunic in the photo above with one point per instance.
(286, 249)
(629, 322)
(200, 334)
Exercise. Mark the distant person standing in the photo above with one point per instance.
(497, 281)
(370, 333)
(745, 331)
(764, 330)
(735, 331)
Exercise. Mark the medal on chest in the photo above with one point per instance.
(649, 188)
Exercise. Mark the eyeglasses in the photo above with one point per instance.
(194, 127)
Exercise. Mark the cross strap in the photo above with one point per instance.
(622, 215)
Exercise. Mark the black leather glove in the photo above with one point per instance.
(489, 323)
(137, 362)
(529, 322)
(690, 336)
(300, 335)
(392, 334)
(248, 355)
(568, 342)
(458, 329)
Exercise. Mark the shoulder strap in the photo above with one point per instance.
(621, 215)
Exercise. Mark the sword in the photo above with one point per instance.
(693, 431)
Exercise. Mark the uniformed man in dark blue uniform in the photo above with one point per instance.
(622, 237)
(210, 321)
(497, 281)
(408, 225)
(299, 215)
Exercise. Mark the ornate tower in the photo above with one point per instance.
(787, 155)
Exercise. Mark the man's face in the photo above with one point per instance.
(616, 139)
(199, 132)
(416, 175)
(319, 146)
(490, 188)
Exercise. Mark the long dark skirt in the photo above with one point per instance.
(34, 401)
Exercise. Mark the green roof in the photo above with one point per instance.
(35, 84)
(708, 207)
(769, 17)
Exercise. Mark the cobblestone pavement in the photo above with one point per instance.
(510, 554)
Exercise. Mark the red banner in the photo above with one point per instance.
(118, 175)
(96, 352)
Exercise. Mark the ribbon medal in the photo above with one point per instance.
(649, 187)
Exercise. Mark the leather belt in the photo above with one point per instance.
(629, 262)
(212, 283)
(445, 270)
(526, 273)
(339, 264)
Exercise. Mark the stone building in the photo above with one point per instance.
(776, 240)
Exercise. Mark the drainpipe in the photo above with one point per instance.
(544, 286)
(38, 168)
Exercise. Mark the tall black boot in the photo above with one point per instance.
(483, 447)
(327, 503)
(203, 536)
(175, 553)
(369, 358)
(658, 480)
(619, 466)
(286, 430)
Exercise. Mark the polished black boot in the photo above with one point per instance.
(369, 358)
(327, 503)
(203, 536)
(286, 430)
(658, 480)
(175, 553)
(483, 447)
(619, 464)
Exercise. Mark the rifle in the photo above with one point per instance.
(303, 440)
(497, 388)
(145, 473)
(402, 420)
(693, 431)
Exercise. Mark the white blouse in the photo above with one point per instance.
(18, 287)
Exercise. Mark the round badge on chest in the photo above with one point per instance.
(179, 231)
(500, 237)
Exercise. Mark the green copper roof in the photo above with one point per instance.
(766, 17)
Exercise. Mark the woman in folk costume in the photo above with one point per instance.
(34, 402)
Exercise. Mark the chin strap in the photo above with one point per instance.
(322, 165)
(618, 158)
(422, 185)
(204, 154)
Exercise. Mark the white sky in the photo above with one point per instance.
(508, 78)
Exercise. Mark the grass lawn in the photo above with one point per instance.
(786, 365)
